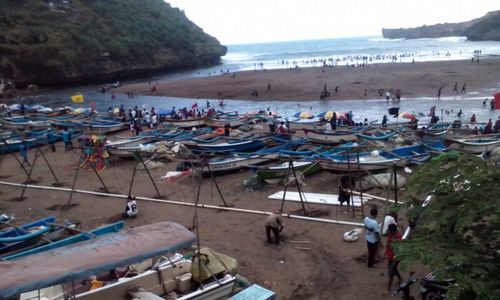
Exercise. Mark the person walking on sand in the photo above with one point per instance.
(372, 236)
(463, 88)
(274, 224)
(455, 87)
(392, 262)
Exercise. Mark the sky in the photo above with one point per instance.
(253, 21)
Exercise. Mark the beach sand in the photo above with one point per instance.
(332, 269)
(421, 79)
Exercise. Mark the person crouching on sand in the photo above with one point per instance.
(131, 208)
(274, 224)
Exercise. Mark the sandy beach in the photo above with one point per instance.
(421, 79)
(329, 269)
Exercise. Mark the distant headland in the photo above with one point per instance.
(62, 42)
(486, 28)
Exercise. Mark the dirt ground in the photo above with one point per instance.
(422, 79)
(331, 269)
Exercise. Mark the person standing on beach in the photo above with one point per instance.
(463, 88)
(455, 87)
(438, 96)
(496, 128)
(392, 262)
(274, 224)
(372, 236)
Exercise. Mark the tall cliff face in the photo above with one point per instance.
(480, 29)
(53, 42)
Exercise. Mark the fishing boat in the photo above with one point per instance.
(226, 121)
(229, 146)
(475, 144)
(25, 235)
(185, 123)
(115, 227)
(376, 135)
(369, 161)
(420, 153)
(22, 122)
(103, 128)
(238, 161)
(35, 276)
(126, 147)
(330, 137)
(273, 174)
(13, 143)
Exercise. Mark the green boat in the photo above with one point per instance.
(273, 174)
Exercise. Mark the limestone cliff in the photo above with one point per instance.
(54, 42)
(480, 29)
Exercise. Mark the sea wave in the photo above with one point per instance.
(453, 39)
(383, 39)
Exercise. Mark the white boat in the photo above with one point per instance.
(127, 146)
(475, 145)
(330, 137)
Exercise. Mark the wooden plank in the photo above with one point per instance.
(328, 199)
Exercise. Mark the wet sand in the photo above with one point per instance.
(331, 269)
(422, 79)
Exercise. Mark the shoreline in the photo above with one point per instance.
(415, 80)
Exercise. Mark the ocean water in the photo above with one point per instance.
(311, 53)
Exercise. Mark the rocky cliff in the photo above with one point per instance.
(54, 42)
(480, 29)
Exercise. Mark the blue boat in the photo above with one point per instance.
(231, 146)
(115, 227)
(78, 261)
(13, 238)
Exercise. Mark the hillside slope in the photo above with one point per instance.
(77, 41)
(480, 29)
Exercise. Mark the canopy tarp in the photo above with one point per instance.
(81, 260)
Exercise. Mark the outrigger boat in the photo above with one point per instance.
(115, 227)
(25, 235)
(475, 144)
(330, 137)
(273, 174)
(186, 123)
(64, 272)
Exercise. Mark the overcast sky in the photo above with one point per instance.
(249, 21)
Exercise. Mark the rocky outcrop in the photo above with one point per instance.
(480, 29)
(55, 42)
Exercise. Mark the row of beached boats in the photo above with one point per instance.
(109, 262)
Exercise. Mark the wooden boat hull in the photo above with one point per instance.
(330, 137)
(185, 123)
(473, 147)
(104, 128)
(233, 164)
(339, 166)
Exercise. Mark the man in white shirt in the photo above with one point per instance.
(372, 236)
(131, 209)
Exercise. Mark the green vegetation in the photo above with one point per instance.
(486, 28)
(458, 233)
(59, 41)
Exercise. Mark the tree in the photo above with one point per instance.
(457, 234)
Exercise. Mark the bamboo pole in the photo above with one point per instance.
(207, 206)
